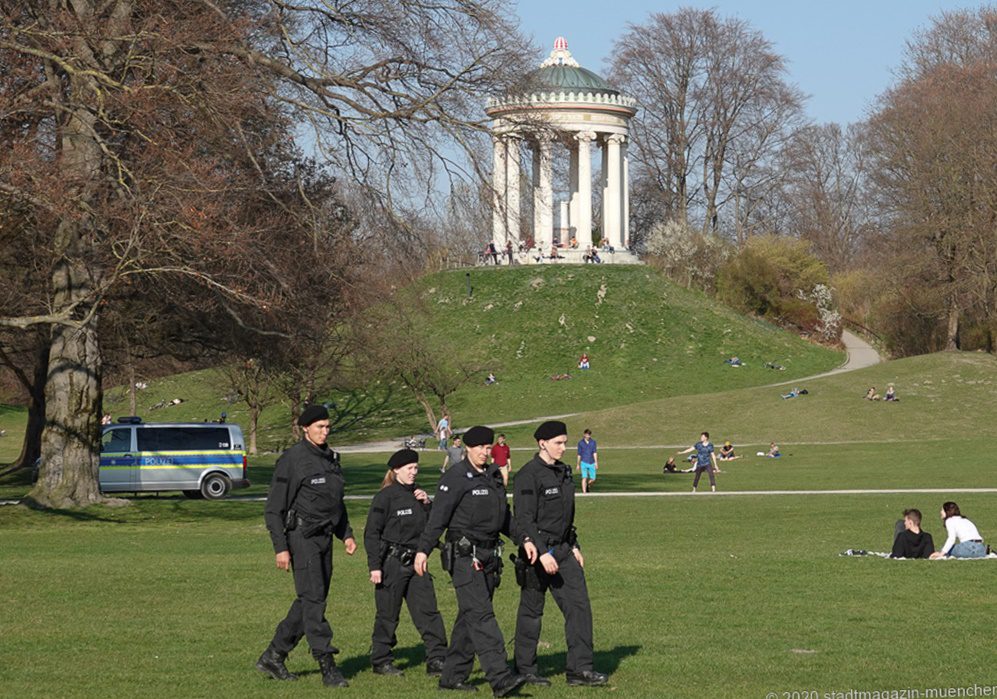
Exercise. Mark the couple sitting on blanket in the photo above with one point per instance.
(910, 542)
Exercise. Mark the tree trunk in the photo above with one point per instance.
(428, 408)
(254, 421)
(952, 332)
(132, 388)
(31, 447)
(70, 457)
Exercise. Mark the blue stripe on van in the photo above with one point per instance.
(166, 460)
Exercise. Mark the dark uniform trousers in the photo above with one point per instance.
(476, 630)
(311, 561)
(571, 594)
(400, 582)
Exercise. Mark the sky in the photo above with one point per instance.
(841, 53)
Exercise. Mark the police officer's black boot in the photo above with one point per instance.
(272, 663)
(388, 668)
(434, 667)
(331, 676)
(587, 678)
(510, 685)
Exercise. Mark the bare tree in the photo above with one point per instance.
(714, 107)
(825, 192)
(145, 140)
(933, 147)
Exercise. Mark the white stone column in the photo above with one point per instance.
(565, 228)
(535, 150)
(584, 228)
(512, 191)
(614, 192)
(604, 189)
(544, 222)
(626, 194)
(498, 191)
(572, 224)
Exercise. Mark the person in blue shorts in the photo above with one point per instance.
(588, 460)
(706, 460)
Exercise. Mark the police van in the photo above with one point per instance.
(200, 459)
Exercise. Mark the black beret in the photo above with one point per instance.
(550, 429)
(478, 435)
(403, 457)
(313, 413)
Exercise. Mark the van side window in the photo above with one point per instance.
(116, 441)
(183, 438)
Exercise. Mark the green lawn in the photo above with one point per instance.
(693, 597)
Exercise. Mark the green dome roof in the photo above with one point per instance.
(564, 78)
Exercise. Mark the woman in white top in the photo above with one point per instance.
(959, 528)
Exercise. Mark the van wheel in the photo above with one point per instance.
(215, 486)
(193, 494)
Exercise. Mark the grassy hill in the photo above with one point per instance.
(646, 337)
(948, 395)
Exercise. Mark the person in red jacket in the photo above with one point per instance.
(500, 457)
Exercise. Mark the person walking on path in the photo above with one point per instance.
(471, 507)
(455, 454)
(706, 460)
(397, 517)
(588, 460)
(544, 509)
(304, 510)
(444, 430)
(500, 457)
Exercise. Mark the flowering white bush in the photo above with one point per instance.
(829, 326)
(685, 254)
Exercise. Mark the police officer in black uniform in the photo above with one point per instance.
(397, 518)
(304, 509)
(544, 505)
(470, 504)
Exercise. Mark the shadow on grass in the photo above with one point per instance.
(90, 514)
(607, 661)
(410, 659)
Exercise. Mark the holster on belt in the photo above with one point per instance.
(311, 527)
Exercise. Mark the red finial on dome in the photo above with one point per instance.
(560, 44)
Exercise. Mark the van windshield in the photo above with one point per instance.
(116, 441)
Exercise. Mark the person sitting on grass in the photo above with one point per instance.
(970, 543)
(891, 394)
(727, 452)
(792, 394)
(490, 379)
(772, 453)
(909, 541)
(734, 361)
(583, 361)
(671, 467)
(871, 394)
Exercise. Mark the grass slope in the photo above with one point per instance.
(943, 396)
(646, 337)
(649, 338)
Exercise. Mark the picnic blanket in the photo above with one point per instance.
(886, 554)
